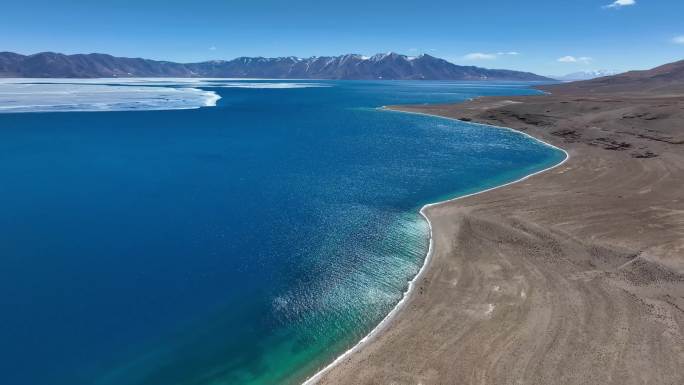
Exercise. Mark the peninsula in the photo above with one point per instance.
(573, 276)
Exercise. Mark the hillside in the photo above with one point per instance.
(665, 79)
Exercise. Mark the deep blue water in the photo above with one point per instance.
(247, 243)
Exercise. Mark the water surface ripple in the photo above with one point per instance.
(247, 243)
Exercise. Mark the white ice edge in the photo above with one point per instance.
(32, 97)
(20, 95)
(211, 99)
(171, 82)
(141, 79)
(388, 318)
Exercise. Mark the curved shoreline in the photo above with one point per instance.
(395, 310)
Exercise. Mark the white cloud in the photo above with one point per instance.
(480, 56)
(488, 56)
(572, 59)
(212, 48)
(620, 3)
(678, 40)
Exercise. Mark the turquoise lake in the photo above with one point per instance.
(249, 242)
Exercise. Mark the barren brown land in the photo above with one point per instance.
(573, 276)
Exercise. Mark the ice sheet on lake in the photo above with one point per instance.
(51, 96)
(271, 85)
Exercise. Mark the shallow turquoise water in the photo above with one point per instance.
(247, 243)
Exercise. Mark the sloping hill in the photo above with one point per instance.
(666, 79)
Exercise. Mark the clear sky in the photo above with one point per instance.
(550, 37)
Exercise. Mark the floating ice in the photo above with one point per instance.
(54, 96)
(262, 85)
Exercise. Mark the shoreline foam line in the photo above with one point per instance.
(385, 321)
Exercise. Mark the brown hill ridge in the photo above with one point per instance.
(666, 79)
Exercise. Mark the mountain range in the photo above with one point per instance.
(389, 66)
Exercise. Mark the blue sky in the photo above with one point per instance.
(544, 36)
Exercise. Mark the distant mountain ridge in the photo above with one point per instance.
(665, 79)
(389, 66)
(585, 75)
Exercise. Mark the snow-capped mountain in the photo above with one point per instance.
(586, 75)
(388, 66)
